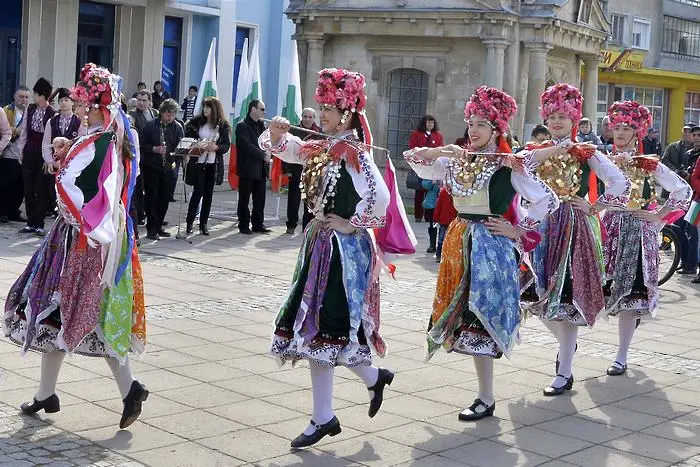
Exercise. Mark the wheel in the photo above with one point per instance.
(669, 254)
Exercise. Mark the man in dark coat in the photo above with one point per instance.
(141, 116)
(37, 182)
(651, 143)
(158, 139)
(252, 169)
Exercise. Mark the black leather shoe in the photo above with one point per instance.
(331, 428)
(470, 417)
(697, 279)
(552, 391)
(163, 234)
(617, 369)
(431, 249)
(262, 230)
(26, 229)
(190, 229)
(384, 377)
(49, 405)
(132, 404)
(686, 271)
(203, 229)
(245, 231)
(152, 236)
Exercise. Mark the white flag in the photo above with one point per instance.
(207, 87)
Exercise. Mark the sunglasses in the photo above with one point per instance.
(262, 110)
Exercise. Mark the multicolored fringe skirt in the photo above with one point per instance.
(331, 315)
(631, 264)
(59, 302)
(568, 266)
(476, 309)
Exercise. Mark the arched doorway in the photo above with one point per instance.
(408, 98)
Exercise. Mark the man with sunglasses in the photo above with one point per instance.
(252, 170)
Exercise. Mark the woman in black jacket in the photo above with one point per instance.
(212, 128)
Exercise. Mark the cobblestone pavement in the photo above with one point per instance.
(217, 400)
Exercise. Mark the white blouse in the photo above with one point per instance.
(208, 133)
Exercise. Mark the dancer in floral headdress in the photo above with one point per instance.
(476, 309)
(632, 247)
(568, 263)
(82, 291)
(331, 316)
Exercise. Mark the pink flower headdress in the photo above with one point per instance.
(95, 86)
(492, 104)
(633, 114)
(563, 98)
(341, 88)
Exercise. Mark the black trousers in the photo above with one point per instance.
(11, 187)
(156, 183)
(37, 188)
(294, 194)
(204, 191)
(138, 199)
(258, 190)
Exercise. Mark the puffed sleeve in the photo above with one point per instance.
(541, 199)
(287, 149)
(617, 185)
(679, 190)
(369, 185)
(435, 169)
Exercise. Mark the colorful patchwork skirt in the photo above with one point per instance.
(59, 302)
(476, 309)
(331, 315)
(568, 267)
(631, 264)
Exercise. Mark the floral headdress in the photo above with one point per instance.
(563, 98)
(492, 104)
(95, 87)
(632, 114)
(341, 88)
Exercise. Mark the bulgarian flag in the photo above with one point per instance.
(240, 109)
(291, 110)
(693, 214)
(207, 87)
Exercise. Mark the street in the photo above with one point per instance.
(217, 399)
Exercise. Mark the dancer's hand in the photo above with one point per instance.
(339, 224)
(452, 150)
(582, 205)
(278, 127)
(649, 216)
(499, 226)
(60, 147)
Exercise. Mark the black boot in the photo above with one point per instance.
(383, 378)
(432, 234)
(331, 428)
(132, 404)
(49, 405)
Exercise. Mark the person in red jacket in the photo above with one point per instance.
(427, 135)
(695, 185)
(444, 214)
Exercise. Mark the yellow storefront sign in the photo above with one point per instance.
(625, 60)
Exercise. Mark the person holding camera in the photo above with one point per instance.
(205, 171)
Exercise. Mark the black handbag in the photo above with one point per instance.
(191, 173)
(413, 181)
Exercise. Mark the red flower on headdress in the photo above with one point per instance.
(563, 98)
(492, 104)
(632, 114)
(341, 88)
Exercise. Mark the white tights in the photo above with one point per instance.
(51, 366)
(627, 323)
(567, 334)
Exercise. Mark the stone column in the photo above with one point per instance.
(154, 25)
(590, 86)
(495, 61)
(537, 79)
(314, 63)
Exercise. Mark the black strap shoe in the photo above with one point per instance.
(474, 414)
(132, 404)
(617, 369)
(49, 405)
(331, 428)
(552, 391)
(383, 378)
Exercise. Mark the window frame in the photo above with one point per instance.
(647, 22)
(623, 30)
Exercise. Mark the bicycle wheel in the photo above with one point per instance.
(669, 254)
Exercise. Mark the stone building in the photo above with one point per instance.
(427, 56)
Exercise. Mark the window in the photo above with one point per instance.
(689, 2)
(95, 35)
(681, 37)
(650, 97)
(641, 31)
(619, 32)
(172, 43)
(241, 35)
(601, 106)
(692, 107)
(584, 11)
